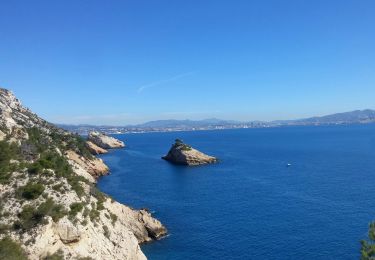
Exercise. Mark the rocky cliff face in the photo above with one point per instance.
(49, 204)
(184, 154)
(105, 141)
(94, 149)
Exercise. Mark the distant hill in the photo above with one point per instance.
(352, 117)
(187, 123)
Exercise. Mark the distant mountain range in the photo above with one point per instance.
(352, 117)
(357, 116)
(187, 123)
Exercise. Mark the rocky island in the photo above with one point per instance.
(50, 207)
(184, 154)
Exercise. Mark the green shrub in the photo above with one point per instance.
(50, 208)
(59, 255)
(72, 142)
(30, 216)
(94, 214)
(7, 152)
(178, 141)
(58, 187)
(61, 167)
(11, 250)
(78, 144)
(4, 228)
(5, 214)
(53, 160)
(99, 205)
(113, 217)
(86, 212)
(74, 182)
(35, 168)
(186, 147)
(106, 231)
(100, 196)
(179, 144)
(37, 138)
(31, 190)
(368, 246)
(4, 176)
(75, 208)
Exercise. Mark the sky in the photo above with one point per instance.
(126, 62)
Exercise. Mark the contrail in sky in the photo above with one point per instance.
(158, 83)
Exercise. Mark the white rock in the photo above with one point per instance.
(2, 135)
(66, 231)
(105, 141)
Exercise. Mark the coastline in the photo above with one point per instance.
(52, 206)
(210, 129)
(255, 185)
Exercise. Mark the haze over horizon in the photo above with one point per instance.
(128, 62)
(206, 119)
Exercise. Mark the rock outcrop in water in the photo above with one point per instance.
(181, 153)
(105, 141)
(49, 205)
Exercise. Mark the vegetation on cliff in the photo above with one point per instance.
(11, 250)
(368, 246)
(179, 144)
(48, 198)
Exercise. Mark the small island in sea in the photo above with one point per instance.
(274, 102)
(184, 154)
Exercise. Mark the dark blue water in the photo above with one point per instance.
(250, 205)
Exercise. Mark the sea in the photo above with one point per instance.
(251, 204)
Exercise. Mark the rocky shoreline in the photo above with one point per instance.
(49, 203)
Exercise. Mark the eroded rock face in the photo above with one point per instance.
(94, 149)
(153, 226)
(15, 116)
(2, 135)
(145, 227)
(74, 219)
(184, 154)
(95, 166)
(67, 232)
(103, 238)
(105, 141)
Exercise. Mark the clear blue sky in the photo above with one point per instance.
(120, 62)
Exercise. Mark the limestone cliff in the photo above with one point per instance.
(49, 204)
(105, 141)
(94, 166)
(94, 149)
(184, 154)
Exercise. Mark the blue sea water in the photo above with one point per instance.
(250, 205)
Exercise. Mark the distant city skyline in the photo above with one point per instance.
(129, 62)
